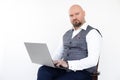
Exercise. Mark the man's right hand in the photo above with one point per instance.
(60, 63)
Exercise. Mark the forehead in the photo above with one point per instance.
(75, 9)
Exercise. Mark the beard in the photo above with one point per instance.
(76, 23)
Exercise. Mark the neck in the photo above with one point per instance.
(76, 28)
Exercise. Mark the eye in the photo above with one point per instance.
(71, 15)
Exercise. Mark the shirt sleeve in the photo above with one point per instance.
(94, 41)
(58, 52)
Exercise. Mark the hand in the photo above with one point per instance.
(60, 63)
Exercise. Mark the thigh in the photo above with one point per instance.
(79, 75)
(48, 73)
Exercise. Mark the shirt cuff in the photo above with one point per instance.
(74, 65)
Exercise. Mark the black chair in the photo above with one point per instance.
(95, 74)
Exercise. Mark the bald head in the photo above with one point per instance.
(77, 15)
(75, 8)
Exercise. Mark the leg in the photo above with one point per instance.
(78, 75)
(48, 73)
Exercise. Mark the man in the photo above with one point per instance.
(78, 53)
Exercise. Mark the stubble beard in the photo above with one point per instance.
(76, 23)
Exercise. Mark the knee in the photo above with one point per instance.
(42, 73)
(45, 73)
(42, 69)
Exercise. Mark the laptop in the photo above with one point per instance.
(39, 53)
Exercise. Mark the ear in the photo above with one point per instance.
(83, 13)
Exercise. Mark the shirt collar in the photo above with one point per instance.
(84, 26)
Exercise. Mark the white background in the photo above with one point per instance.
(46, 21)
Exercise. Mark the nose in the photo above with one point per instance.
(74, 17)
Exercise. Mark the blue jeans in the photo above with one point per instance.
(49, 73)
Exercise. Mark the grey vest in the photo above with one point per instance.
(76, 48)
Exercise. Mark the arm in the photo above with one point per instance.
(94, 41)
(57, 57)
(58, 52)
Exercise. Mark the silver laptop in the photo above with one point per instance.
(39, 53)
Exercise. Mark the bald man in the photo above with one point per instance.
(78, 53)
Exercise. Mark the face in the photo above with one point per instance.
(76, 15)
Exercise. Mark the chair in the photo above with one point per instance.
(95, 74)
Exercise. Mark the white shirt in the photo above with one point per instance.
(94, 41)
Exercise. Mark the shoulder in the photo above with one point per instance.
(94, 34)
(93, 31)
(68, 31)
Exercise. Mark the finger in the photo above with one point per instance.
(55, 61)
(58, 64)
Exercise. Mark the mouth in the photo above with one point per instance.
(76, 23)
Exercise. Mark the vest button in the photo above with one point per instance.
(67, 54)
